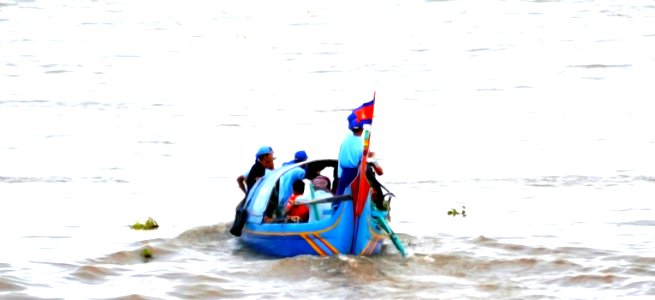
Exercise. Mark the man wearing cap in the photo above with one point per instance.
(287, 180)
(264, 161)
(300, 156)
(350, 155)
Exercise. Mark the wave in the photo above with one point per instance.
(92, 273)
(593, 280)
(60, 179)
(202, 239)
(543, 181)
(34, 179)
(601, 66)
(133, 297)
(584, 180)
(217, 265)
(10, 284)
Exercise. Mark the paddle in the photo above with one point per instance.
(312, 196)
(327, 200)
(239, 218)
(394, 238)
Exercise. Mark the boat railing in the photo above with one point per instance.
(326, 200)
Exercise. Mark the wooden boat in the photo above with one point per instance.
(354, 223)
(329, 231)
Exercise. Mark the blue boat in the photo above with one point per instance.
(334, 227)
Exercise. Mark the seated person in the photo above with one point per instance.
(300, 156)
(322, 186)
(296, 213)
(319, 211)
(286, 184)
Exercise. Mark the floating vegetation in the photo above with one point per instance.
(148, 225)
(146, 253)
(453, 212)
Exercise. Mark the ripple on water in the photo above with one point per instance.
(352, 269)
(199, 291)
(135, 256)
(92, 274)
(589, 280)
(133, 297)
(34, 179)
(10, 284)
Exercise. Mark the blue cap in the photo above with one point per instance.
(300, 156)
(352, 122)
(263, 150)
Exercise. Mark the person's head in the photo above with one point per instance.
(356, 127)
(300, 156)
(321, 183)
(357, 130)
(265, 157)
(298, 187)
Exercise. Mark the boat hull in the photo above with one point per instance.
(369, 236)
(328, 237)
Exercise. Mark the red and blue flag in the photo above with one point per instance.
(362, 115)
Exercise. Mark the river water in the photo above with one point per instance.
(533, 117)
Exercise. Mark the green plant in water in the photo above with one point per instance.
(453, 212)
(148, 225)
(146, 253)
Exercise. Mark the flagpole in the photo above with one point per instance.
(363, 187)
(360, 194)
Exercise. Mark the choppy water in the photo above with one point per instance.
(533, 115)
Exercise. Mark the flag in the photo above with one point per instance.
(362, 115)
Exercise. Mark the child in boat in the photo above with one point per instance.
(296, 213)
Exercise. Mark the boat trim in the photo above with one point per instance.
(327, 244)
(313, 245)
(272, 233)
(373, 241)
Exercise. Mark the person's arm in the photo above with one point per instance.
(241, 180)
(376, 166)
(289, 205)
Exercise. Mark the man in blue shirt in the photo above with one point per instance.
(350, 155)
(300, 156)
(287, 180)
(286, 184)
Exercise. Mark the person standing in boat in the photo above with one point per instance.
(350, 155)
(265, 161)
(300, 156)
